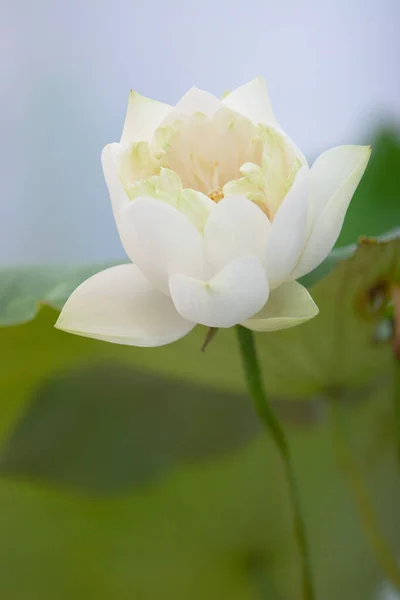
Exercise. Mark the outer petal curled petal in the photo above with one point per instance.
(288, 230)
(335, 171)
(236, 227)
(120, 305)
(287, 306)
(142, 118)
(335, 176)
(252, 101)
(161, 241)
(236, 293)
(109, 159)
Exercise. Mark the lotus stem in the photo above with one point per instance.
(272, 424)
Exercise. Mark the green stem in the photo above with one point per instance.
(378, 544)
(267, 415)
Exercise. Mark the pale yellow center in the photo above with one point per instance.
(206, 153)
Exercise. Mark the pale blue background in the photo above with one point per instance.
(67, 67)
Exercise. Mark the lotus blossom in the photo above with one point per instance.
(219, 213)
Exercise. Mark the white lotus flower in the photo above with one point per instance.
(219, 213)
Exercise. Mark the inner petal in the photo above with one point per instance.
(207, 152)
(268, 183)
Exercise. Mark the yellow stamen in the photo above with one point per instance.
(216, 195)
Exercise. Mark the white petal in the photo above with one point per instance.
(194, 101)
(287, 306)
(335, 176)
(236, 293)
(337, 170)
(288, 230)
(120, 305)
(109, 159)
(161, 241)
(197, 100)
(236, 227)
(252, 101)
(142, 118)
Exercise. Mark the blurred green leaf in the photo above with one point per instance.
(106, 428)
(198, 533)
